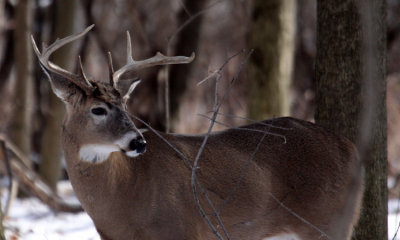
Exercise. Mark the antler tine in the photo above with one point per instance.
(129, 57)
(82, 73)
(110, 69)
(158, 59)
(79, 80)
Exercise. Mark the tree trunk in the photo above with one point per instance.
(351, 87)
(270, 69)
(3, 158)
(188, 41)
(7, 44)
(50, 168)
(21, 124)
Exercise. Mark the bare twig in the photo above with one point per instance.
(181, 155)
(219, 70)
(14, 149)
(191, 19)
(248, 129)
(299, 217)
(185, 8)
(253, 121)
(244, 172)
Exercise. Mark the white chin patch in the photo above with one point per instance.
(95, 153)
(132, 154)
(289, 236)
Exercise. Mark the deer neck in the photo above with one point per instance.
(124, 190)
(96, 181)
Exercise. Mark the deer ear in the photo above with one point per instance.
(62, 87)
(126, 87)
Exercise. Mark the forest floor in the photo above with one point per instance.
(29, 219)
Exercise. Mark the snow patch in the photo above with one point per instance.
(29, 219)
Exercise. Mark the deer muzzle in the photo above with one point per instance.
(138, 145)
(132, 144)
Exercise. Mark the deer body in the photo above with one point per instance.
(315, 174)
(307, 185)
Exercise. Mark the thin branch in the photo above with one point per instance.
(191, 19)
(185, 8)
(252, 121)
(186, 161)
(243, 173)
(248, 129)
(15, 150)
(219, 70)
(299, 217)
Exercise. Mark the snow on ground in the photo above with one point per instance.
(394, 219)
(29, 219)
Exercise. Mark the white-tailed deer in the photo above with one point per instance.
(134, 185)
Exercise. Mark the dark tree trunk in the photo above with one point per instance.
(350, 72)
(187, 43)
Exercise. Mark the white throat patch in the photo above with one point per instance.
(95, 153)
(284, 236)
(132, 154)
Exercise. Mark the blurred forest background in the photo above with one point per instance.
(279, 79)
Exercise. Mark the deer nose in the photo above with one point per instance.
(138, 145)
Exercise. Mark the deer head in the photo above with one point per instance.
(95, 109)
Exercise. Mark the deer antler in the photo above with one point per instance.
(80, 80)
(158, 59)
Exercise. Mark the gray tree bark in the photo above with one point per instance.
(270, 69)
(50, 168)
(351, 89)
(22, 119)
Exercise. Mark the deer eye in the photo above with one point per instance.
(99, 111)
